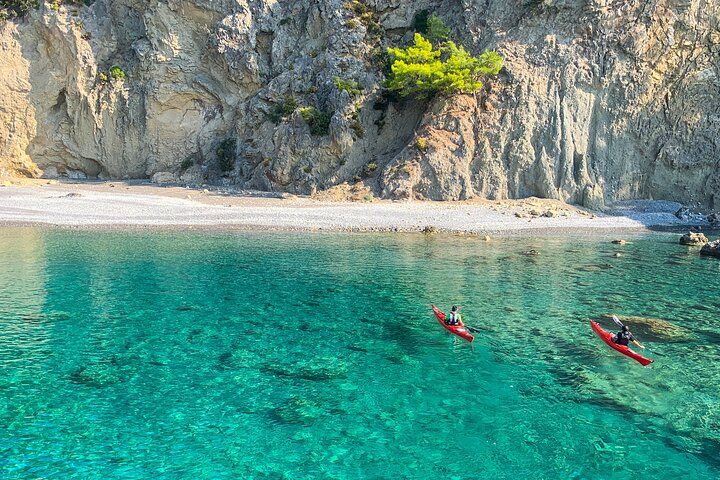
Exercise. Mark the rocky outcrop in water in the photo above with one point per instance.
(693, 239)
(600, 99)
(711, 249)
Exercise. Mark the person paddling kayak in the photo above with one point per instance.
(624, 337)
(454, 318)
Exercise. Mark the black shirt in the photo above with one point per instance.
(624, 338)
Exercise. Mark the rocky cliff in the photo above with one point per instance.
(599, 99)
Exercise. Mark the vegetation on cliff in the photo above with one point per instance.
(425, 70)
(16, 8)
(20, 8)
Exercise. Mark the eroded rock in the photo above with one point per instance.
(711, 249)
(693, 239)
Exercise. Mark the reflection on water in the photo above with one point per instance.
(177, 355)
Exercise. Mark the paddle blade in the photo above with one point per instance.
(617, 321)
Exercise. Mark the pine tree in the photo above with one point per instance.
(425, 71)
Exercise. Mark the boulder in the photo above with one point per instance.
(195, 175)
(164, 177)
(714, 219)
(711, 249)
(683, 213)
(693, 239)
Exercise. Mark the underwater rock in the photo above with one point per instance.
(315, 368)
(98, 375)
(298, 411)
(651, 329)
(237, 359)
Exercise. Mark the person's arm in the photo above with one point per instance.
(459, 319)
(638, 344)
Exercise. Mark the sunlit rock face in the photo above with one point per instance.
(599, 100)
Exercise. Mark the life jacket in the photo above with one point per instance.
(454, 318)
(623, 338)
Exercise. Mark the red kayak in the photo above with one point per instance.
(458, 330)
(625, 350)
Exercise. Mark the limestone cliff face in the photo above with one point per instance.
(600, 99)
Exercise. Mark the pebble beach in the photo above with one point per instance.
(146, 205)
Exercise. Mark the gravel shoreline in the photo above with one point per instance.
(123, 205)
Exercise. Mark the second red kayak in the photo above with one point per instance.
(624, 349)
(458, 330)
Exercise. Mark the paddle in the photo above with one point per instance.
(620, 324)
(468, 327)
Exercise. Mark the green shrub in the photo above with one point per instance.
(436, 29)
(431, 26)
(319, 122)
(351, 24)
(357, 127)
(282, 109)
(367, 16)
(425, 71)
(226, 155)
(355, 123)
(103, 77)
(16, 8)
(371, 167)
(350, 86)
(187, 163)
(357, 7)
(117, 73)
(421, 144)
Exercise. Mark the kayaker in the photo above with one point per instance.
(454, 318)
(624, 337)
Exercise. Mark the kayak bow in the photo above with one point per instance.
(624, 349)
(458, 330)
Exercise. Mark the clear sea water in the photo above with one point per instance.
(293, 356)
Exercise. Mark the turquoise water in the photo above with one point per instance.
(239, 355)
